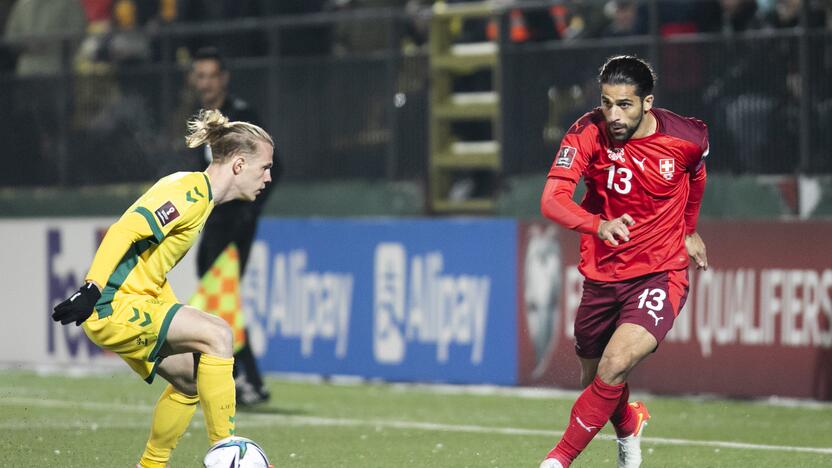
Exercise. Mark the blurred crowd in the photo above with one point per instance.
(120, 102)
(125, 31)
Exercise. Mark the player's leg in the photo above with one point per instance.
(628, 346)
(589, 367)
(652, 304)
(234, 223)
(192, 330)
(594, 326)
(625, 417)
(143, 329)
(173, 411)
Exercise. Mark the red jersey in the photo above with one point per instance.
(648, 178)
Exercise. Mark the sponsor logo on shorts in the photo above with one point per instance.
(166, 213)
(655, 317)
(565, 157)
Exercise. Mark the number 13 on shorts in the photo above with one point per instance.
(653, 300)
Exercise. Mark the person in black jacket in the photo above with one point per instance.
(234, 221)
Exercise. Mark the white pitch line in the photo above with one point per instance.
(266, 420)
(318, 421)
(90, 405)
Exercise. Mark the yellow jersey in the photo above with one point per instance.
(150, 238)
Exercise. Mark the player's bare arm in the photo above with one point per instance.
(616, 229)
(696, 249)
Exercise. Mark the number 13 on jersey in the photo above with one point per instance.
(619, 179)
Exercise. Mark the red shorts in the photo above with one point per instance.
(652, 301)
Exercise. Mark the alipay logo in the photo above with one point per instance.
(415, 302)
(298, 303)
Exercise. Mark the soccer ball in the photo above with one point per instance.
(236, 452)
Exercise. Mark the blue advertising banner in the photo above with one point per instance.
(412, 300)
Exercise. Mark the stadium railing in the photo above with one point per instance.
(353, 105)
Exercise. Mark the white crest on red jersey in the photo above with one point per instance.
(615, 154)
(667, 167)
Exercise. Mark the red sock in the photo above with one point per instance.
(589, 414)
(622, 419)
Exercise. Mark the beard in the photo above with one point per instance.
(628, 131)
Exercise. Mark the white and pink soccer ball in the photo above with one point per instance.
(236, 452)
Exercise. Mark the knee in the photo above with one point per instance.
(219, 338)
(613, 369)
(186, 386)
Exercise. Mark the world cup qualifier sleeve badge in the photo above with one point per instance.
(166, 213)
(666, 168)
(565, 157)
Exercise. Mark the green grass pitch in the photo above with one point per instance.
(103, 421)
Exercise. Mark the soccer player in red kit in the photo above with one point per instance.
(644, 169)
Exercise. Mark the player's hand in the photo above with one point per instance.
(78, 307)
(615, 229)
(696, 249)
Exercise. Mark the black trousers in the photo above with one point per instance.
(236, 222)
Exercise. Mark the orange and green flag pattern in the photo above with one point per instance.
(219, 293)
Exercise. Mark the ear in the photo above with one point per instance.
(647, 103)
(238, 164)
(225, 77)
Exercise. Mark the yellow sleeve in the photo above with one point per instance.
(169, 203)
(177, 201)
(129, 229)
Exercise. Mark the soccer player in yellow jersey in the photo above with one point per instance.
(128, 307)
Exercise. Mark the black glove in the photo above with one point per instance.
(78, 307)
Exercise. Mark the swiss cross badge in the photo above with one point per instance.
(666, 168)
